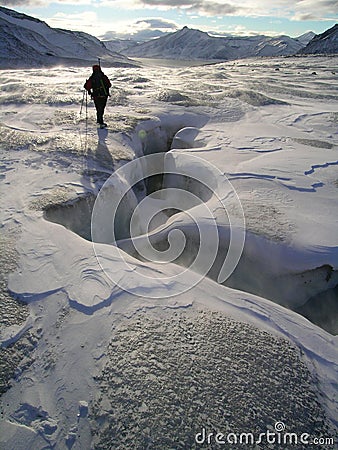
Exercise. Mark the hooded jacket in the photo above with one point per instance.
(98, 83)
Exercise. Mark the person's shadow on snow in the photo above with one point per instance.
(102, 153)
(99, 162)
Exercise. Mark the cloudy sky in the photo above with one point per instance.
(140, 18)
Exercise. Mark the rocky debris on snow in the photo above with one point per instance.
(12, 313)
(167, 378)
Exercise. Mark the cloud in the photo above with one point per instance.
(202, 7)
(14, 3)
(240, 30)
(331, 5)
(315, 10)
(216, 9)
(84, 21)
(186, 10)
(304, 17)
(43, 3)
(156, 22)
(141, 29)
(291, 9)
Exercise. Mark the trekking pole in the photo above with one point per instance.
(86, 108)
(82, 102)
(86, 139)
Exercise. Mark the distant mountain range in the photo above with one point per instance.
(194, 44)
(29, 42)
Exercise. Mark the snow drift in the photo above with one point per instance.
(199, 354)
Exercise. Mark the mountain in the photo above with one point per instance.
(29, 42)
(119, 45)
(306, 37)
(194, 44)
(325, 43)
(183, 44)
(265, 46)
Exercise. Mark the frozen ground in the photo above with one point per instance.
(188, 371)
(110, 350)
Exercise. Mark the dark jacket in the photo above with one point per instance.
(98, 84)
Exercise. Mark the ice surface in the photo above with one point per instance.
(168, 377)
(273, 134)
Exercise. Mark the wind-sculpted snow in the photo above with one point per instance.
(38, 91)
(14, 314)
(320, 123)
(298, 86)
(189, 155)
(167, 378)
(173, 97)
(253, 98)
(118, 215)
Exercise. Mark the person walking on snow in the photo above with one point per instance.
(98, 86)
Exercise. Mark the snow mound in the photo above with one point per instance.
(171, 97)
(254, 98)
(166, 378)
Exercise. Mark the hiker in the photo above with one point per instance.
(98, 88)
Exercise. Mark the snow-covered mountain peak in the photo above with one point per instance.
(192, 44)
(189, 32)
(324, 43)
(29, 42)
(17, 15)
(306, 37)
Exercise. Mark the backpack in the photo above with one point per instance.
(99, 87)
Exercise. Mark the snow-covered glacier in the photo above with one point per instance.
(172, 278)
